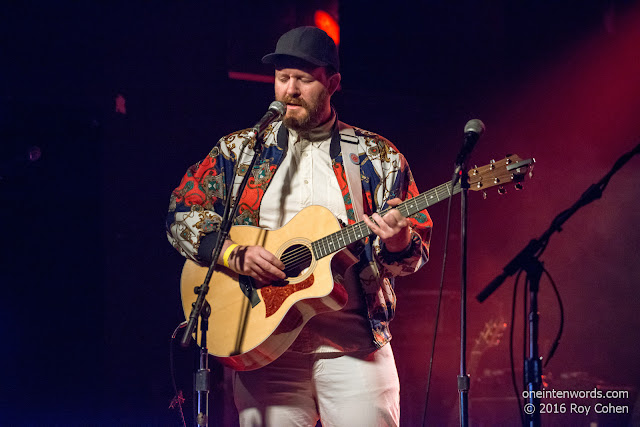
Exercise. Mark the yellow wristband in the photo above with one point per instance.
(227, 254)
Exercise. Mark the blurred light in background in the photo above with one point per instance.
(326, 22)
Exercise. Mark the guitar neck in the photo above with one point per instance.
(354, 232)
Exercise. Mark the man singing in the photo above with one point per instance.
(340, 368)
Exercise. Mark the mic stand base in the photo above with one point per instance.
(202, 379)
(464, 382)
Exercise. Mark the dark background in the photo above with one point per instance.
(90, 283)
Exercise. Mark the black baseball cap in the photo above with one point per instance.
(310, 44)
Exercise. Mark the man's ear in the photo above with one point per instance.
(334, 83)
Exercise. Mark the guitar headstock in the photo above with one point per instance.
(511, 169)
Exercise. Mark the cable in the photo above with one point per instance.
(242, 153)
(435, 328)
(178, 399)
(556, 342)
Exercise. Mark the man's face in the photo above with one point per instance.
(307, 94)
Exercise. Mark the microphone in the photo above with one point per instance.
(472, 132)
(276, 110)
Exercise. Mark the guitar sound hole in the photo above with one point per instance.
(296, 259)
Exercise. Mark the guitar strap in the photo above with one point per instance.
(351, 162)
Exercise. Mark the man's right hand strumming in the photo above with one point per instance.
(252, 261)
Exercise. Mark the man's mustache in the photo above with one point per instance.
(294, 101)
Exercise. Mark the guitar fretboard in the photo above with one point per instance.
(354, 232)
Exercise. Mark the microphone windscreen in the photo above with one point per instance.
(475, 126)
(279, 107)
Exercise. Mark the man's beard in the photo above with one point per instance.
(314, 111)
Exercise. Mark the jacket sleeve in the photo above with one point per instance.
(197, 204)
(417, 253)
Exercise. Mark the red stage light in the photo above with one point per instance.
(325, 22)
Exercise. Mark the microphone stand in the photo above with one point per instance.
(528, 260)
(463, 379)
(473, 129)
(201, 307)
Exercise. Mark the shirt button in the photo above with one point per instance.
(306, 181)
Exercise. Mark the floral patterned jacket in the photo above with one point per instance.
(197, 203)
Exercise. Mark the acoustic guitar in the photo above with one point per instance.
(250, 327)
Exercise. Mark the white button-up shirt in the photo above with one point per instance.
(304, 178)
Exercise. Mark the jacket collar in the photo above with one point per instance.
(334, 149)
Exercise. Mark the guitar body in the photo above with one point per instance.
(249, 327)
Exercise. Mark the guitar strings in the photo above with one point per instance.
(326, 242)
(296, 255)
(303, 254)
(303, 261)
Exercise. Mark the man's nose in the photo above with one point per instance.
(292, 88)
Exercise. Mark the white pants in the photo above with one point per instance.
(298, 389)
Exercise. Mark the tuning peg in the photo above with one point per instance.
(484, 195)
(518, 186)
(502, 190)
(492, 164)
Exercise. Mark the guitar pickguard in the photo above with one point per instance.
(275, 295)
